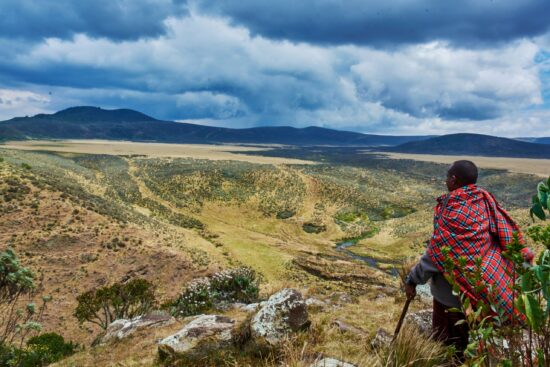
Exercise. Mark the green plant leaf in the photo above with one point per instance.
(533, 311)
(544, 200)
(538, 211)
(527, 282)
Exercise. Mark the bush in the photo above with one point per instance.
(239, 284)
(55, 345)
(233, 285)
(118, 301)
(40, 351)
(313, 228)
(25, 166)
(285, 214)
(17, 320)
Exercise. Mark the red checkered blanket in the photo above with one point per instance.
(472, 225)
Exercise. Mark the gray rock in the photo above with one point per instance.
(121, 328)
(283, 313)
(424, 292)
(331, 362)
(202, 335)
(381, 339)
(315, 303)
(422, 320)
(343, 327)
(251, 307)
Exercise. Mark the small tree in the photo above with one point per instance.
(17, 285)
(118, 301)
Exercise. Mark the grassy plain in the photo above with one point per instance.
(539, 167)
(197, 151)
(179, 217)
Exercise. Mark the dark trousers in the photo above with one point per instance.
(446, 331)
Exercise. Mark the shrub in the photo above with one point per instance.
(285, 214)
(120, 300)
(239, 284)
(313, 228)
(17, 286)
(55, 345)
(195, 299)
(233, 285)
(40, 351)
(25, 166)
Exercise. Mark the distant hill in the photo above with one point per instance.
(543, 140)
(123, 124)
(474, 144)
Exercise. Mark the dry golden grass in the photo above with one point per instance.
(411, 349)
(539, 167)
(197, 151)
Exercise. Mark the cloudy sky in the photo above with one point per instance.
(389, 67)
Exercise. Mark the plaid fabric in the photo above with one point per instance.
(471, 223)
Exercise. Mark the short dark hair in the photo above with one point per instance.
(464, 171)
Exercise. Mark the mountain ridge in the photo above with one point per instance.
(474, 144)
(86, 122)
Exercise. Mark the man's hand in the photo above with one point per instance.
(410, 290)
(528, 255)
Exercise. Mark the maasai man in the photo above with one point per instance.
(470, 224)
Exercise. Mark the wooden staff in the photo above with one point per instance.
(402, 317)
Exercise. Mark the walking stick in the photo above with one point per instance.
(402, 317)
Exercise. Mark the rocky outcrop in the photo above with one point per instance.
(284, 312)
(331, 362)
(381, 339)
(121, 328)
(422, 320)
(202, 335)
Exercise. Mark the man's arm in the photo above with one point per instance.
(419, 274)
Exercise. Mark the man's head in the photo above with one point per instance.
(461, 173)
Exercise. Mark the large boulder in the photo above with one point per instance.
(205, 333)
(283, 313)
(331, 362)
(121, 328)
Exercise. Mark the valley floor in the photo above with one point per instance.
(95, 213)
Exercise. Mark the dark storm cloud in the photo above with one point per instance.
(200, 67)
(114, 19)
(386, 23)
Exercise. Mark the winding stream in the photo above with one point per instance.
(422, 290)
(370, 261)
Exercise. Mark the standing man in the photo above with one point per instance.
(470, 224)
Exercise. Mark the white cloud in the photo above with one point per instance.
(15, 102)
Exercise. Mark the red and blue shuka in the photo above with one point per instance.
(472, 225)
